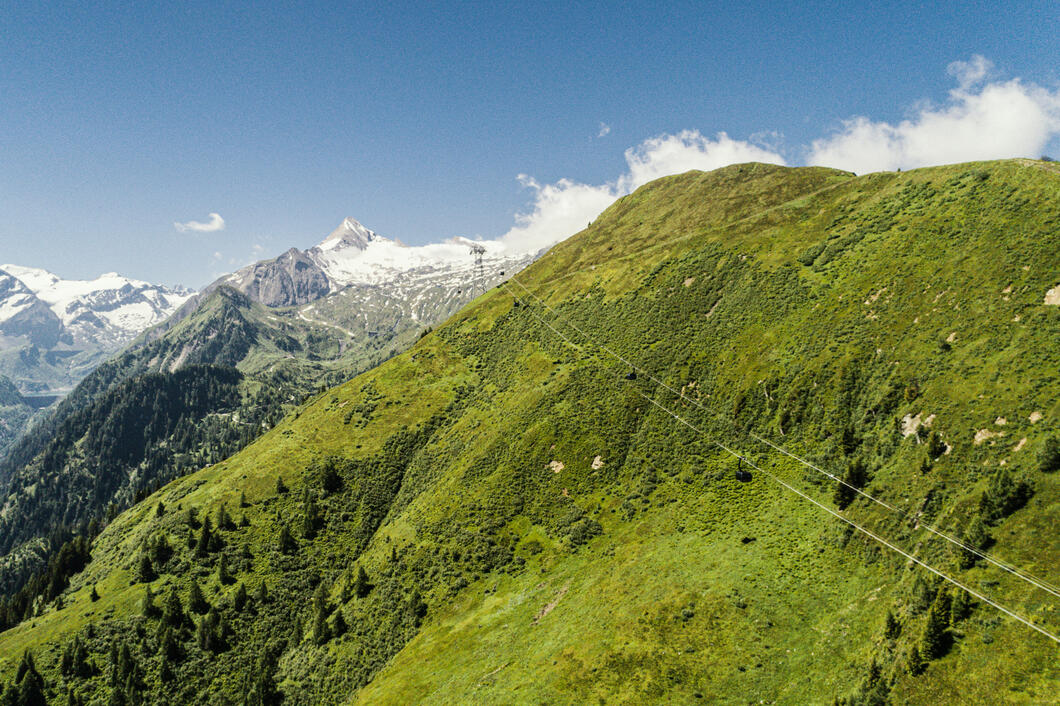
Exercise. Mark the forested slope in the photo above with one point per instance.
(501, 515)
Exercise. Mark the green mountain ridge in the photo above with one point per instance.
(498, 515)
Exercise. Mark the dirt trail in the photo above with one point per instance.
(551, 605)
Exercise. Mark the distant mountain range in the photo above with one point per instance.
(53, 330)
(356, 284)
(225, 366)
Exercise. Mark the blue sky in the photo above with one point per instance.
(118, 121)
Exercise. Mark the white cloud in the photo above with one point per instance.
(215, 224)
(970, 73)
(563, 208)
(605, 129)
(979, 121)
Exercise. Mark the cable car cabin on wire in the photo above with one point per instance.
(742, 475)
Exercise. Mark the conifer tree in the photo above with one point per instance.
(975, 537)
(202, 546)
(263, 691)
(338, 624)
(261, 596)
(196, 602)
(147, 604)
(1049, 455)
(891, 627)
(172, 610)
(321, 609)
(935, 639)
(286, 542)
(28, 685)
(855, 476)
(916, 662)
(361, 586)
(224, 577)
(145, 573)
(311, 519)
(239, 598)
(960, 606)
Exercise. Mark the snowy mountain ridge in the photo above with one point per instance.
(107, 311)
(355, 256)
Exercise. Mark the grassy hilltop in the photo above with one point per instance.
(497, 516)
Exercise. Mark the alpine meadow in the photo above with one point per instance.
(759, 434)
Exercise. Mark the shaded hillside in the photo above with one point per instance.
(498, 516)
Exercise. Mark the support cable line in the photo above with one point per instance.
(1021, 574)
(855, 525)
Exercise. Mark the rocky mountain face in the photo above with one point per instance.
(354, 257)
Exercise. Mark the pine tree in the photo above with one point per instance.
(297, 633)
(935, 640)
(28, 683)
(960, 606)
(1049, 455)
(330, 480)
(361, 586)
(261, 596)
(160, 551)
(263, 690)
(239, 598)
(976, 537)
(916, 662)
(286, 542)
(202, 546)
(416, 608)
(172, 610)
(280, 487)
(168, 646)
(891, 627)
(94, 594)
(224, 577)
(147, 604)
(855, 476)
(196, 602)
(321, 609)
(224, 520)
(311, 518)
(338, 624)
(243, 499)
(145, 573)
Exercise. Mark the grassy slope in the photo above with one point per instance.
(694, 277)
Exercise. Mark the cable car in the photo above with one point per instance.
(631, 375)
(742, 475)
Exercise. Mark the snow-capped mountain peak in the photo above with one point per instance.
(350, 233)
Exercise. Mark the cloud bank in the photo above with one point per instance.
(215, 224)
(980, 120)
(566, 206)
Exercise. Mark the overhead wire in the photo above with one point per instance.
(911, 557)
(985, 599)
(1041, 584)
